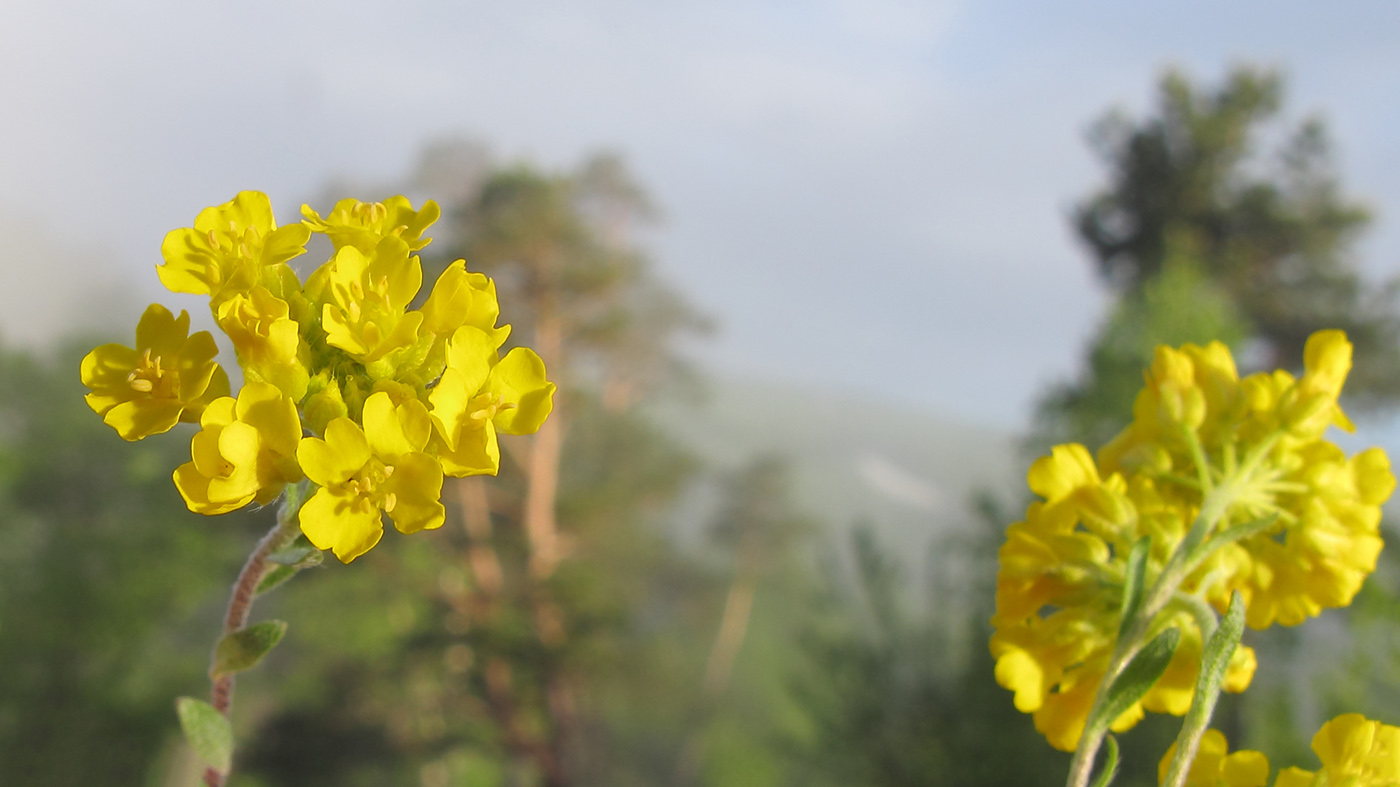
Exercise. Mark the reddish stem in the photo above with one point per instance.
(240, 605)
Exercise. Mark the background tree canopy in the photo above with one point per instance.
(1220, 220)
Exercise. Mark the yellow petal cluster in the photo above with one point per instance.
(1059, 595)
(346, 386)
(1355, 751)
(168, 377)
(1215, 766)
(1259, 443)
(1327, 537)
(245, 452)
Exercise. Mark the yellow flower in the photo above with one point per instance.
(1213, 767)
(169, 377)
(463, 298)
(341, 359)
(364, 474)
(230, 248)
(1059, 595)
(245, 452)
(1326, 540)
(1355, 752)
(363, 225)
(477, 396)
(364, 301)
(266, 339)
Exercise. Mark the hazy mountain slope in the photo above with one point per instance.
(910, 473)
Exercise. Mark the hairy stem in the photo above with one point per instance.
(240, 605)
(1134, 635)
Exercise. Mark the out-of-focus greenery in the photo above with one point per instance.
(1178, 305)
(777, 652)
(1203, 233)
(108, 586)
(1270, 228)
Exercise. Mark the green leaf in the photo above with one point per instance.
(1133, 583)
(1215, 661)
(288, 562)
(246, 647)
(207, 731)
(274, 578)
(298, 555)
(1139, 676)
(1110, 764)
(1215, 658)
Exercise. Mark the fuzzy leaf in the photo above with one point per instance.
(1133, 580)
(274, 578)
(299, 555)
(1139, 676)
(1237, 532)
(207, 731)
(1215, 658)
(246, 647)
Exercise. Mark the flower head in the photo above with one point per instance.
(170, 376)
(230, 248)
(246, 451)
(367, 473)
(1214, 766)
(478, 395)
(1059, 595)
(1205, 450)
(347, 386)
(1355, 752)
(1266, 433)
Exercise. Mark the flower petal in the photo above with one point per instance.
(341, 523)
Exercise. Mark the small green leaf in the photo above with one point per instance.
(299, 555)
(1133, 583)
(274, 578)
(1215, 658)
(207, 731)
(1110, 764)
(1215, 661)
(287, 562)
(246, 647)
(1139, 676)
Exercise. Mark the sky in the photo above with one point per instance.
(869, 197)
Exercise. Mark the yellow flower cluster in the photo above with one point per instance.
(1354, 750)
(1199, 432)
(1059, 592)
(1265, 435)
(345, 385)
(1216, 766)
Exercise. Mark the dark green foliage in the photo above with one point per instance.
(1270, 228)
(1177, 306)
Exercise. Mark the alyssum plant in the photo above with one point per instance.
(354, 406)
(1128, 585)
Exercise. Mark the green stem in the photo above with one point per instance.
(1200, 612)
(240, 603)
(1198, 458)
(1193, 727)
(1134, 636)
